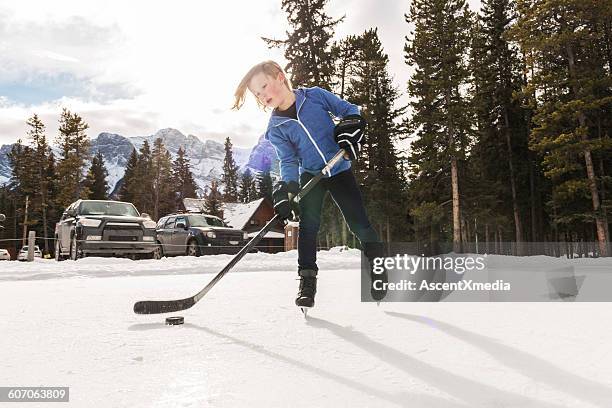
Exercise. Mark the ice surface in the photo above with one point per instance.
(246, 345)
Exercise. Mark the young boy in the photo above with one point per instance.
(305, 138)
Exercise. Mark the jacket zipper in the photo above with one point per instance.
(314, 143)
(307, 133)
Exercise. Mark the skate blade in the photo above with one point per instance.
(305, 310)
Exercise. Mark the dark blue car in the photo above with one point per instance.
(198, 234)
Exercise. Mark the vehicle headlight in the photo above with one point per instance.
(89, 222)
(245, 235)
(149, 224)
(211, 234)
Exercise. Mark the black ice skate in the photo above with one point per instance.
(307, 291)
(378, 290)
(378, 281)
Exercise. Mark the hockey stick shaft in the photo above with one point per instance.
(168, 306)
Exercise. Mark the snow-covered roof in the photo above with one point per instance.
(235, 214)
(238, 214)
(269, 234)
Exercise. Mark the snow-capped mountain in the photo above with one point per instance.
(116, 151)
(5, 169)
(206, 157)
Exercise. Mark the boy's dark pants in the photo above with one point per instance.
(345, 193)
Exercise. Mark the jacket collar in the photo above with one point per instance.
(300, 98)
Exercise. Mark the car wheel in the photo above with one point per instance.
(58, 250)
(74, 249)
(193, 249)
(159, 252)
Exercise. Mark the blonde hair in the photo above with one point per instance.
(269, 68)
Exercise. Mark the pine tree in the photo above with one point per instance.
(213, 200)
(161, 169)
(501, 128)
(182, 179)
(345, 54)
(307, 46)
(265, 185)
(96, 179)
(41, 151)
(126, 191)
(143, 177)
(230, 175)
(441, 119)
(74, 146)
(248, 188)
(378, 168)
(253, 193)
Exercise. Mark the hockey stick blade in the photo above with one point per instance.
(162, 306)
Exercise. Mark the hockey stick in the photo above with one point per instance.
(168, 306)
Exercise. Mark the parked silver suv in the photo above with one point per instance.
(104, 227)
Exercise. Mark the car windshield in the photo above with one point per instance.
(204, 221)
(215, 222)
(108, 208)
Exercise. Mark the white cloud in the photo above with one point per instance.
(133, 67)
(55, 56)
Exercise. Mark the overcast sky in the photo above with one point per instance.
(134, 67)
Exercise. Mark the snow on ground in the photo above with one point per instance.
(246, 345)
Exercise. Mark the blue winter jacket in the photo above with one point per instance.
(307, 144)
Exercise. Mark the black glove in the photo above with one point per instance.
(349, 134)
(280, 196)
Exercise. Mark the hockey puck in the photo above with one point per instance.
(175, 320)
